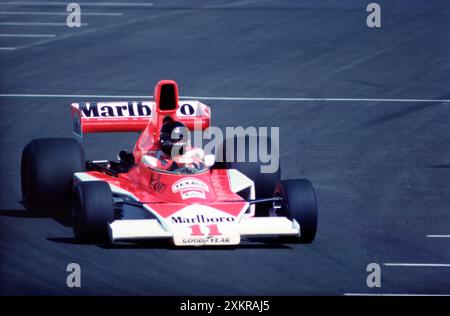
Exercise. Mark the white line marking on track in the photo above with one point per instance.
(7, 48)
(27, 35)
(86, 4)
(91, 30)
(76, 96)
(417, 264)
(36, 24)
(320, 99)
(26, 95)
(392, 294)
(58, 13)
(438, 236)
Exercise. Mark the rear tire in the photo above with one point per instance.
(264, 182)
(47, 169)
(299, 203)
(93, 210)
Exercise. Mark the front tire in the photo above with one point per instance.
(93, 210)
(47, 169)
(299, 203)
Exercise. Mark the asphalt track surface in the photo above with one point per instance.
(381, 169)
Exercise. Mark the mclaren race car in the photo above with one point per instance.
(192, 199)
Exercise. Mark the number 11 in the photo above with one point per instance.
(213, 230)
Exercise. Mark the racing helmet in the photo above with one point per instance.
(174, 136)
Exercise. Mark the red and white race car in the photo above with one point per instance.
(193, 201)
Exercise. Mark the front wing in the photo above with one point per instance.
(230, 234)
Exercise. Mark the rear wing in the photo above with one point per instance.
(134, 116)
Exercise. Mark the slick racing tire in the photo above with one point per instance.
(299, 203)
(47, 169)
(93, 210)
(264, 182)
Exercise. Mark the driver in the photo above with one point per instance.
(175, 151)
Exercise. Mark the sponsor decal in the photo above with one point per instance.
(204, 229)
(193, 194)
(201, 219)
(130, 109)
(187, 109)
(155, 183)
(190, 188)
(206, 240)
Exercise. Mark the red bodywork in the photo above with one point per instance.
(155, 190)
(159, 190)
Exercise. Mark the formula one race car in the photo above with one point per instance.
(191, 198)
